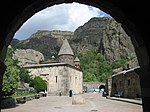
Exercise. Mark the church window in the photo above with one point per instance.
(129, 82)
(43, 74)
(56, 79)
(75, 65)
(75, 79)
(120, 83)
(114, 85)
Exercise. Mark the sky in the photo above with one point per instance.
(65, 17)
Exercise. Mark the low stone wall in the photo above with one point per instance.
(24, 99)
(92, 85)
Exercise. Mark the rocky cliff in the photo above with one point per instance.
(101, 33)
(28, 56)
(106, 35)
(46, 42)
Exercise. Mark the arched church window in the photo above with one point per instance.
(56, 79)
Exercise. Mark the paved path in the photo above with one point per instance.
(139, 102)
(94, 103)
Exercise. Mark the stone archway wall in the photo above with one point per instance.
(117, 10)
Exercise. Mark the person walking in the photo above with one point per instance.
(70, 93)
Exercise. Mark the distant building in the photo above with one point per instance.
(92, 85)
(126, 83)
(62, 76)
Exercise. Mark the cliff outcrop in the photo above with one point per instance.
(101, 33)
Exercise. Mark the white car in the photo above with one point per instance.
(101, 90)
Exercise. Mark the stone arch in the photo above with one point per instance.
(102, 87)
(107, 6)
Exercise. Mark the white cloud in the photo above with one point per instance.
(59, 17)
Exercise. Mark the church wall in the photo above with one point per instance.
(76, 81)
(60, 78)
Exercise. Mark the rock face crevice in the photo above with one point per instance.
(101, 33)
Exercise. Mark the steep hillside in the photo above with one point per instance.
(107, 36)
(101, 33)
(46, 42)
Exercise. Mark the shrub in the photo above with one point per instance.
(39, 84)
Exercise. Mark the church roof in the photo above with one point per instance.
(76, 59)
(50, 65)
(65, 48)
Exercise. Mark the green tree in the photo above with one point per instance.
(96, 68)
(24, 75)
(105, 71)
(118, 63)
(90, 65)
(11, 76)
(39, 84)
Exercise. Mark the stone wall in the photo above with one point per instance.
(60, 77)
(68, 59)
(108, 85)
(92, 85)
(132, 85)
(127, 82)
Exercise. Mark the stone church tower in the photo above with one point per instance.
(77, 62)
(66, 54)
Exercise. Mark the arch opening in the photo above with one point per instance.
(115, 13)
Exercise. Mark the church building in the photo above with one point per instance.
(63, 76)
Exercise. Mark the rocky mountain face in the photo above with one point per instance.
(46, 42)
(101, 33)
(88, 36)
(115, 42)
(106, 35)
(28, 56)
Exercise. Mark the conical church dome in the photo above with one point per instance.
(66, 54)
(65, 48)
(76, 59)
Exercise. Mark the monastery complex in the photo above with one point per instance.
(63, 76)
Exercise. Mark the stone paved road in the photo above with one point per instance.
(94, 103)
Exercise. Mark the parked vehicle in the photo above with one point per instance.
(104, 93)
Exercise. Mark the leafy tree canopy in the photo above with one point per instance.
(11, 76)
(95, 68)
(24, 75)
